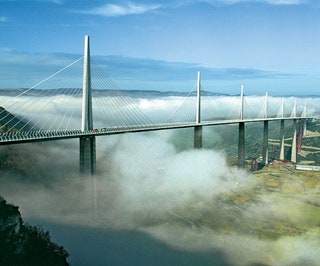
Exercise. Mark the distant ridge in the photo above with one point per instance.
(10, 122)
(130, 93)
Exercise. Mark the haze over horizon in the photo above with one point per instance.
(267, 45)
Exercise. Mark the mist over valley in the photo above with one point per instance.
(161, 201)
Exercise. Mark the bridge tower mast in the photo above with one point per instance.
(304, 115)
(198, 128)
(265, 150)
(241, 137)
(87, 144)
(282, 131)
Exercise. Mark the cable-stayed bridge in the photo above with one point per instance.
(81, 101)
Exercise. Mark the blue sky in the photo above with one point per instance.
(267, 45)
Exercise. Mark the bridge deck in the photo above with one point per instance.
(36, 136)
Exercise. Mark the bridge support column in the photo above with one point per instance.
(241, 146)
(294, 143)
(198, 129)
(198, 137)
(265, 150)
(281, 140)
(88, 155)
(87, 144)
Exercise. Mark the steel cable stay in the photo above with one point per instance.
(75, 100)
(23, 103)
(264, 108)
(72, 95)
(234, 111)
(213, 103)
(125, 100)
(175, 111)
(281, 111)
(110, 103)
(116, 116)
(127, 113)
(248, 113)
(64, 112)
(111, 113)
(29, 97)
(190, 113)
(29, 102)
(48, 103)
(216, 114)
(66, 115)
(53, 92)
(70, 118)
(204, 103)
(44, 80)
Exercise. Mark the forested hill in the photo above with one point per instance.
(10, 122)
(22, 244)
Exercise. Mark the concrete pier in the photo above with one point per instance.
(198, 129)
(281, 140)
(198, 137)
(294, 143)
(241, 146)
(88, 155)
(265, 150)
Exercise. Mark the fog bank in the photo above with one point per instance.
(182, 197)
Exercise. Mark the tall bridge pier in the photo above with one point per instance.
(281, 157)
(294, 138)
(198, 129)
(294, 142)
(265, 150)
(265, 145)
(281, 140)
(241, 136)
(241, 146)
(87, 144)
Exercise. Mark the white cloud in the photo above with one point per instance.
(59, 2)
(146, 184)
(284, 2)
(177, 198)
(115, 10)
(3, 19)
(271, 2)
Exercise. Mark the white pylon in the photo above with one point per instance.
(266, 106)
(87, 123)
(242, 103)
(198, 114)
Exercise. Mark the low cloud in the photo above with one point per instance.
(138, 175)
(154, 183)
(21, 70)
(285, 2)
(177, 197)
(57, 112)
